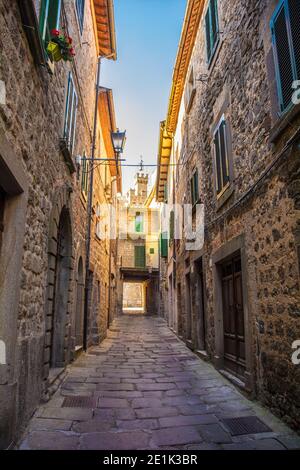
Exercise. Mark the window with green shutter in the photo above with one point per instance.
(139, 256)
(80, 13)
(70, 114)
(221, 157)
(164, 245)
(49, 18)
(195, 188)
(211, 29)
(171, 227)
(139, 222)
(286, 46)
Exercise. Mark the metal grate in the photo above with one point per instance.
(79, 402)
(245, 425)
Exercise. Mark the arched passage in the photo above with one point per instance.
(79, 307)
(60, 310)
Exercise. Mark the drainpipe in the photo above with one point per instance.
(89, 214)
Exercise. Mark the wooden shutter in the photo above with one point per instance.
(207, 30)
(140, 256)
(218, 162)
(294, 18)
(283, 58)
(214, 22)
(224, 156)
(164, 245)
(80, 12)
(49, 18)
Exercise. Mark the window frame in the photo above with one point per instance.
(213, 47)
(44, 16)
(283, 4)
(80, 14)
(71, 128)
(225, 186)
(139, 224)
(195, 196)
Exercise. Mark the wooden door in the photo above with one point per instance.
(140, 256)
(233, 317)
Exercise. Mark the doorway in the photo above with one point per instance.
(233, 317)
(60, 304)
(79, 306)
(188, 315)
(134, 297)
(200, 310)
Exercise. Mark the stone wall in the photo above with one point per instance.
(261, 208)
(31, 122)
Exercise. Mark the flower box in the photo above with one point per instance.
(54, 51)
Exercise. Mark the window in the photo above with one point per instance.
(286, 46)
(49, 18)
(84, 175)
(139, 222)
(164, 245)
(2, 204)
(211, 29)
(171, 227)
(139, 256)
(151, 251)
(221, 157)
(80, 13)
(70, 114)
(195, 188)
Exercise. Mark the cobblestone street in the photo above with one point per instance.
(142, 388)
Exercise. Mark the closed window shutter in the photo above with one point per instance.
(164, 245)
(208, 29)
(214, 22)
(218, 162)
(54, 14)
(283, 58)
(49, 18)
(223, 151)
(80, 12)
(172, 225)
(294, 14)
(140, 255)
(196, 184)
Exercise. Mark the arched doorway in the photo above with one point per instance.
(60, 301)
(79, 306)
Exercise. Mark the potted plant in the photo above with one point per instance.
(60, 46)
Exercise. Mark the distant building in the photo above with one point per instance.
(230, 141)
(138, 250)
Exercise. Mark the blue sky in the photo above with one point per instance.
(148, 33)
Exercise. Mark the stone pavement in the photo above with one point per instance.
(142, 388)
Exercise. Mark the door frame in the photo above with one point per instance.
(232, 247)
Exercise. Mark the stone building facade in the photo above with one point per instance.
(233, 130)
(138, 248)
(46, 119)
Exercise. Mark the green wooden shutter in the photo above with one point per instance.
(294, 19)
(283, 56)
(139, 222)
(208, 29)
(139, 256)
(172, 227)
(49, 18)
(214, 22)
(218, 162)
(164, 245)
(224, 156)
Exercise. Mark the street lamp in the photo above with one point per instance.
(118, 140)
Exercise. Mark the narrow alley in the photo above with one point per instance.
(142, 388)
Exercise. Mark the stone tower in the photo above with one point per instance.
(138, 195)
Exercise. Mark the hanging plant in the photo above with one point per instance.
(60, 46)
